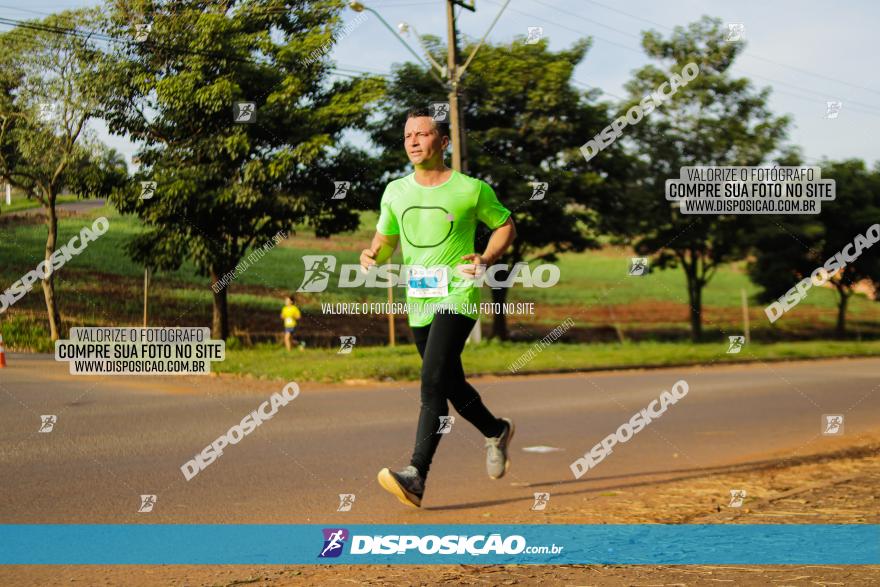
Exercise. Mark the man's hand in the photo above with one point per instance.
(380, 250)
(368, 258)
(477, 266)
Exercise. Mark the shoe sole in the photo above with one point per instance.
(509, 440)
(390, 484)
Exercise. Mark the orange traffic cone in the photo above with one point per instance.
(2, 353)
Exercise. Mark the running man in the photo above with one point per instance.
(433, 212)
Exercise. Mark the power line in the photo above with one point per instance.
(26, 10)
(809, 91)
(85, 34)
(846, 100)
(744, 53)
(566, 27)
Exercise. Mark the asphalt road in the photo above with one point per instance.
(119, 437)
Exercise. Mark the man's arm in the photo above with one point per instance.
(380, 250)
(500, 240)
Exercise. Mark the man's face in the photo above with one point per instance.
(422, 140)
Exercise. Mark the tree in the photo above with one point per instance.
(523, 119)
(47, 80)
(789, 250)
(223, 186)
(713, 120)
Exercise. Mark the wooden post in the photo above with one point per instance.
(146, 289)
(745, 308)
(391, 336)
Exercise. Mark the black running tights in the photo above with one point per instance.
(440, 344)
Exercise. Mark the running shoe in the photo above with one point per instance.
(406, 485)
(496, 451)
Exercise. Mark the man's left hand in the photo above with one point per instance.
(477, 266)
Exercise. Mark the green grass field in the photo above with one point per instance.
(102, 286)
(19, 202)
(402, 362)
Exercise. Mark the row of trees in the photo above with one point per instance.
(224, 186)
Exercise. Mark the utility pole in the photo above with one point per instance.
(458, 162)
(456, 119)
(453, 74)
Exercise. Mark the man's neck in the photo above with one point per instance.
(432, 175)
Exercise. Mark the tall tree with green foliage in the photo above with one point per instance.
(789, 249)
(525, 121)
(225, 185)
(715, 119)
(47, 96)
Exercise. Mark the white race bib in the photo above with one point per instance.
(432, 282)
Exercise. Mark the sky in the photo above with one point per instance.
(808, 53)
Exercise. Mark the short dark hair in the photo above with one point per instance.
(442, 127)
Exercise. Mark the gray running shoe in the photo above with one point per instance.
(406, 485)
(496, 453)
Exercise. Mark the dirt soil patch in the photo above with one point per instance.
(839, 486)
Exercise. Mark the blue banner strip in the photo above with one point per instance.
(654, 544)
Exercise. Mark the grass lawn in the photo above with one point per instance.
(102, 286)
(402, 362)
(20, 202)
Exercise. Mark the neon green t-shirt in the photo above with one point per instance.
(436, 227)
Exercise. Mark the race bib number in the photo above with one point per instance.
(432, 282)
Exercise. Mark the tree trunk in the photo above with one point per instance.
(220, 321)
(840, 331)
(695, 297)
(499, 320)
(49, 282)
